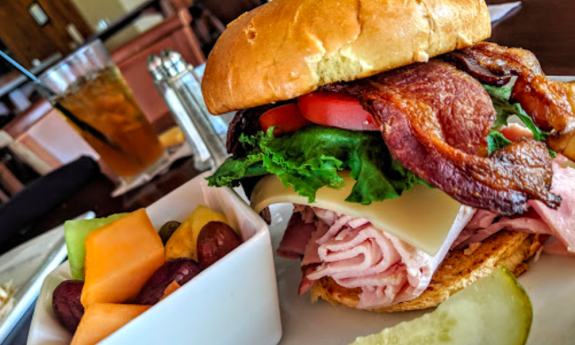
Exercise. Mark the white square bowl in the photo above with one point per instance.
(234, 301)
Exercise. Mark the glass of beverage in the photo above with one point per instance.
(91, 93)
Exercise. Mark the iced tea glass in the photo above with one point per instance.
(90, 86)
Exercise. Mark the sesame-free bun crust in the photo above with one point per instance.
(457, 271)
(287, 48)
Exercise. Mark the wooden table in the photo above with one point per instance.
(543, 26)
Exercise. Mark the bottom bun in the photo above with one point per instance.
(460, 269)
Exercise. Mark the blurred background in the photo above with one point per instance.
(39, 34)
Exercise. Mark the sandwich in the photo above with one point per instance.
(389, 125)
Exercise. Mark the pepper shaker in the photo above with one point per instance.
(182, 79)
(202, 158)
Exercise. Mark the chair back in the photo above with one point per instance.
(174, 33)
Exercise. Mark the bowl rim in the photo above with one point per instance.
(62, 271)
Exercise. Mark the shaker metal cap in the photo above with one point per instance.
(155, 67)
(173, 62)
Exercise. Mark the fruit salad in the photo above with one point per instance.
(121, 267)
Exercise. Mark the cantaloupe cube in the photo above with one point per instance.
(182, 243)
(120, 257)
(102, 319)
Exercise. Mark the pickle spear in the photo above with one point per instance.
(495, 310)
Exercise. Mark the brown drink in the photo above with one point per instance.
(106, 103)
(92, 89)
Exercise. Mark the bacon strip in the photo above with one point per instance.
(550, 104)
(435, 120)
(477, 71)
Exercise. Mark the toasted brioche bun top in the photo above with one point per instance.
(287, 48)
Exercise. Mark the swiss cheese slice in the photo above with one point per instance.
(421, 217)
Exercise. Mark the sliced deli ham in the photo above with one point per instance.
(481, 219)
(296, 236)
(556, 247)
(357, 255)
(477, 230)
(559, 223)
(361, 253)
(562, 220)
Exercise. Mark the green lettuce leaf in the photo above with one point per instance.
(501, 101)
(496, 141)
(310, 158)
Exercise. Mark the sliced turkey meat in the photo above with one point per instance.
(357, 255)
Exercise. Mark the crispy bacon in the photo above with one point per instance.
(435, 120)
(551, 104)
(477, 71)
(500, 60)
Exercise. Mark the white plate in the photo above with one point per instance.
(550, 283)
(234, 301)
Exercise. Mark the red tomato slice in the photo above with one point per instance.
(287, 118)
(334, 109)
